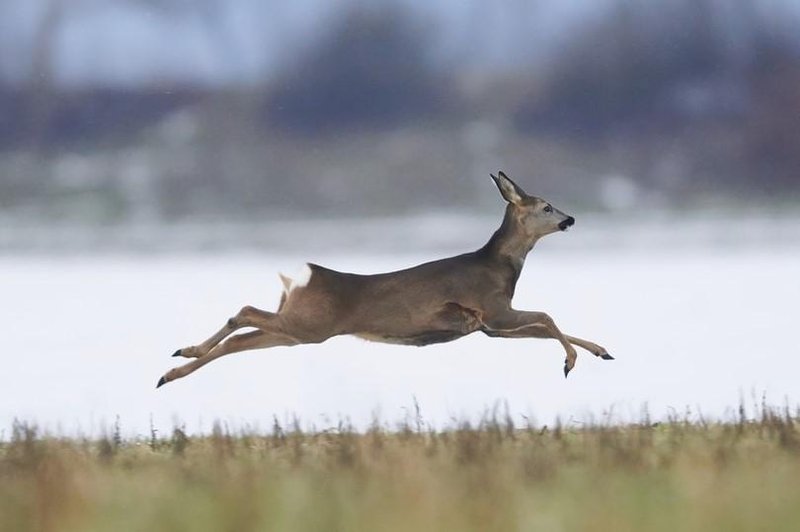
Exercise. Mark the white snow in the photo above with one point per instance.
(86, 339)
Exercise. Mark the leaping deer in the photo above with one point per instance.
(434, 302)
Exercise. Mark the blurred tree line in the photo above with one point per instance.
(673, 99)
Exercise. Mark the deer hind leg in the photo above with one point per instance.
(273, 330)
(241, 342)
(247, 317)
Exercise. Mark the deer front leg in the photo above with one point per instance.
(523, 324)
(592, 347)
(539, 331)
(247, 317)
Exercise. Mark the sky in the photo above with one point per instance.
(124, 43)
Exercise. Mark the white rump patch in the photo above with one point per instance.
(300, 280)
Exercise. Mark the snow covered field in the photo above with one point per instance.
(699, 327)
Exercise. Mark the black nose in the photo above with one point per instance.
(566, 223)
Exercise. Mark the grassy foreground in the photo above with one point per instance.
(670, 476)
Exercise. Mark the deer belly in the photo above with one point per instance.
(419, 339)
(450, 322)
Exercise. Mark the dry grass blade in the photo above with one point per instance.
(672, 475)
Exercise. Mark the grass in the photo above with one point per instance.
(675, 475)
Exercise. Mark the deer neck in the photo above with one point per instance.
(510, 242)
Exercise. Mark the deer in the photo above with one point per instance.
(430, 303)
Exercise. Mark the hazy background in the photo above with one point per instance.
(160, 160)
(157, 111)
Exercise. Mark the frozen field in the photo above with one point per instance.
(697, 327)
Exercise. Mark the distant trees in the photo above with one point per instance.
(772, 133)
(36, 112)
(644, 60)
(712, 80)
(371, 67)
(700, 89)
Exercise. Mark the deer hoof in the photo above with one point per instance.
(567, 369)
(606, 356)
(161, 382)
(177, 353)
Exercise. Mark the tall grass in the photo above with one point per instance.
(675, 475)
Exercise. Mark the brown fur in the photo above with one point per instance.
(430, 303)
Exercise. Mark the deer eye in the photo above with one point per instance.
(548, 208)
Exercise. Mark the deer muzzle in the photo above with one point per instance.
(566, 224)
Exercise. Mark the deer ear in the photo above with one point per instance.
(508, 189)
